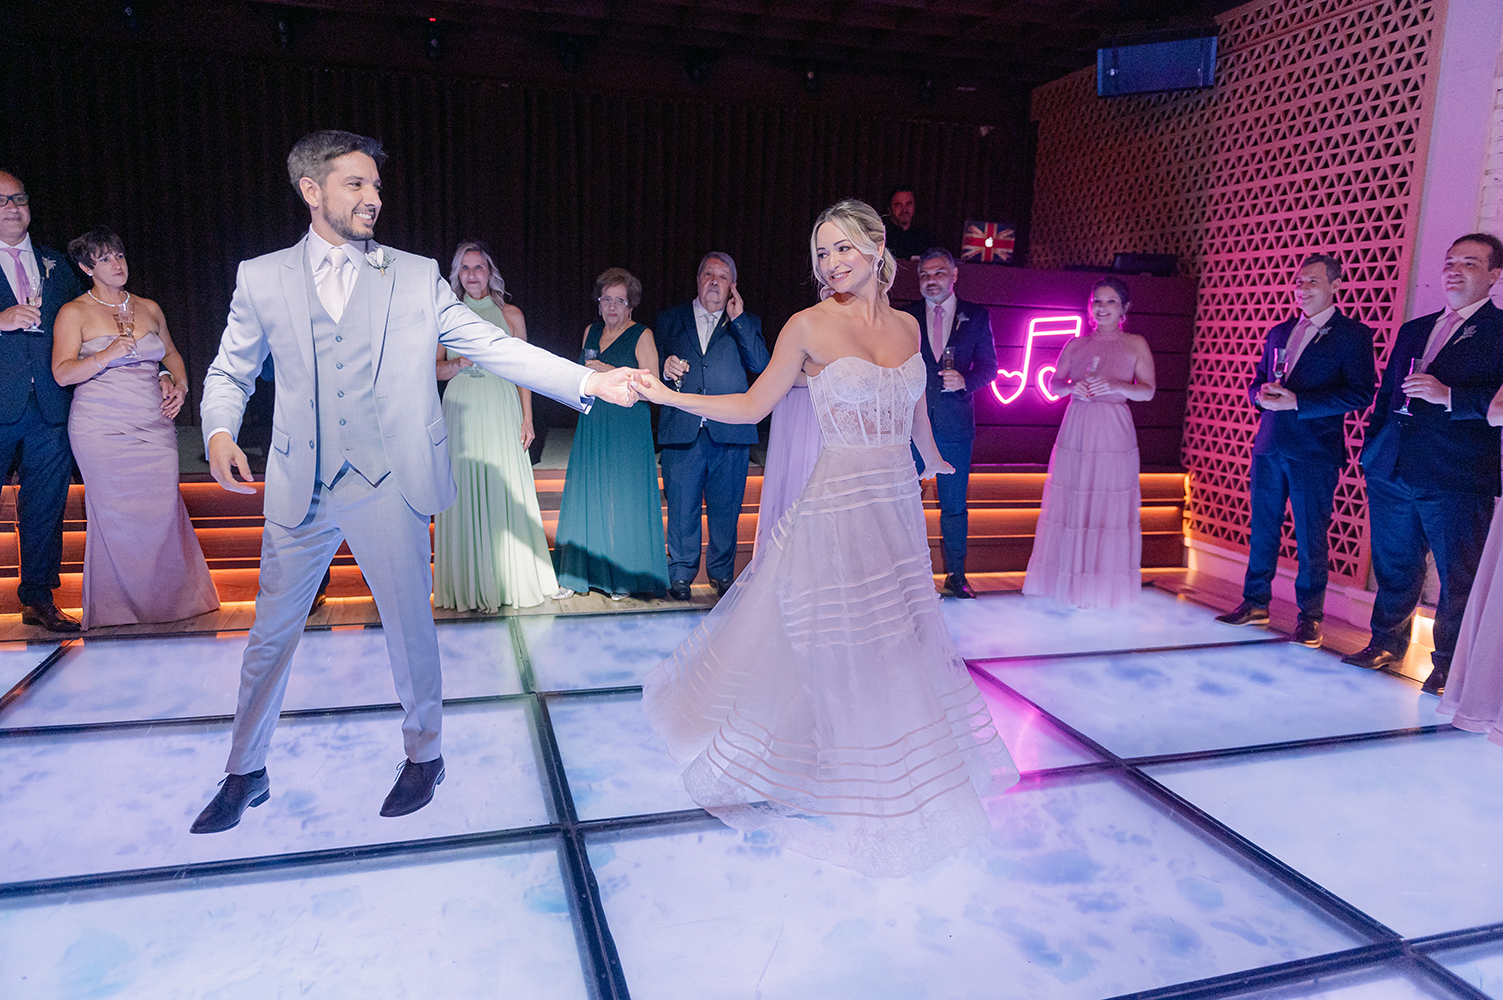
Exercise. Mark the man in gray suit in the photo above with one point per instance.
(353, 328)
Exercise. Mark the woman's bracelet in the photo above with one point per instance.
(97, 362)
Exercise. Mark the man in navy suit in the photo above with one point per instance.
(1432, 474)
(962, 359)
(1328, 372)
(707, 345)
(33, 407)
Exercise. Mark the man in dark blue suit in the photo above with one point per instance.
(962, 360)
(33, 407)
(707, 345)
(1327, 372)
(1432, 474)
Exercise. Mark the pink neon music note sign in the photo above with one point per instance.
(1038, 327)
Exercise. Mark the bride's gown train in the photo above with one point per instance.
(823, 700)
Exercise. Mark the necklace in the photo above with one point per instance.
(108, 305)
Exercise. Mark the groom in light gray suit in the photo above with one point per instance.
(353, 328)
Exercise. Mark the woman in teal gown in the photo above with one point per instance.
(610, 520)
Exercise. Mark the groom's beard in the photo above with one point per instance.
(352, 227)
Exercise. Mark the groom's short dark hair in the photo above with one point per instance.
(312, 155)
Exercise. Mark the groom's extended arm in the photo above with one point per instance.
(229, 383)
(466, 334)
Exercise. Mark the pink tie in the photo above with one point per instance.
(1296, 343)
(939, 330)
(1441, 337)
(23, 280)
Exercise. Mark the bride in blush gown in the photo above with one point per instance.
(823, 700)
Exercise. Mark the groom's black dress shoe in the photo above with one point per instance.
(956, 584)
(414, 787)
(1246, 613)
(679, 590)
(1436, 683)
(1372, 657)
(721, 586)
(237, 792)
(48, 617)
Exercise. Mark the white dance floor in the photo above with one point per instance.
(1205, 812)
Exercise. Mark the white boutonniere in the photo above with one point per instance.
(961, 318)
(1467, 332)
(48, 263)
(380, 258)
(1320, 334)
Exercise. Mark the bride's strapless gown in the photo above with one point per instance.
(823, 700)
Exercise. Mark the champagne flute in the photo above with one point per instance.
(1280, 365)
(1416, 367)
(125, 323)
(947, 363)
(34, 298)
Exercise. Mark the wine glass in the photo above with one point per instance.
(1280, 364)
(1416, 367)
(125, 323)
(34, 298)
(947, 363)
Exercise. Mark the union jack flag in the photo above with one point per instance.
(987, 242)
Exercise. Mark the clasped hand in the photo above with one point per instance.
(1272, 396)
(616, 385)
(1091, 385)
(172, 396)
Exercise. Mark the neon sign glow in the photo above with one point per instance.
(1039, 326)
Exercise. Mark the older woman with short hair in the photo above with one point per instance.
(610, 520)
(142, 561)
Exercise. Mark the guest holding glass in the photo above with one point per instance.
(610, 520)
(489, 548)
(142, 561)
(1432, 461)
(1088, 548)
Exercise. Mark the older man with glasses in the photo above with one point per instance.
(33, 407)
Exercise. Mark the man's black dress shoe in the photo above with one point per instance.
(48, 617)
(679, 590)
(1246, 613)
(1372, 657)
(721, 586)
(1436, 683)
(237, 792)
(414, 787)
(1307, 633)
(956, 584)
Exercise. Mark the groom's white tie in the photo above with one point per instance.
(332, 291)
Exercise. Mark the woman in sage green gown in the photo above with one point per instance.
(489, 549)
(610, 520)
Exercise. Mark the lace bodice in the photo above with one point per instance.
(861, 404)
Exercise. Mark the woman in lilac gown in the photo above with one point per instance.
(823, 700)
(1474, 690)
(1088, 547)
(142, 561)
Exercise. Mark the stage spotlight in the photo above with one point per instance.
(926, 89)
(697, 65)
(811, 78)
(434, 46)
(132, 14)
(283, 28)
(570, 52)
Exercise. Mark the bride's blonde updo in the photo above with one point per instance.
(863, 227)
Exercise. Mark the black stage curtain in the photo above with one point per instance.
(184, 155)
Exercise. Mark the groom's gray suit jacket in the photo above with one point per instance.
(410, 310)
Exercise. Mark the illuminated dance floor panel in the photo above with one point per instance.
(1204, 812)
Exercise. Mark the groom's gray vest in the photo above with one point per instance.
(348, 430)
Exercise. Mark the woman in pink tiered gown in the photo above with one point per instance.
(142, 562)
(823, 700)
(1474, 690)
(1088, 547)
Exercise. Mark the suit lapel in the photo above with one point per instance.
(375, 287)
(295, 281)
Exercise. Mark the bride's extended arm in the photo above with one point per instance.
(923, 438)
(755, 403)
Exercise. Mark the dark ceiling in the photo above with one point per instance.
(972, 42)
